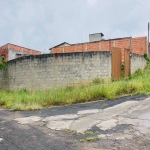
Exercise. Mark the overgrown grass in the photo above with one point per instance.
(138, 83)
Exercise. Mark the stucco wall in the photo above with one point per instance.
(12, 54)
(137, 62)
(51, 70)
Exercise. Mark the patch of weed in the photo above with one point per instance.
(92, 139)
(82, 140)
(89, 139)
(88, 132)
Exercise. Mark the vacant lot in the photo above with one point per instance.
(138, 83)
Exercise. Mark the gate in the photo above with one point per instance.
(116, 63)
(126, 62)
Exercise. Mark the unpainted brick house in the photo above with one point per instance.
(11, 51)
(96, 42)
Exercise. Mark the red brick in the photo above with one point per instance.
(4, 50)
(69, 49)
(138, 46)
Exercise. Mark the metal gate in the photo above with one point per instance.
(126, 62)
(116, 63)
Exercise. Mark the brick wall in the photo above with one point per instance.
(43, 72)
(4, 50)
(138, 46)
(23, 49)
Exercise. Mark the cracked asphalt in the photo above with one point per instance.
(121, 124)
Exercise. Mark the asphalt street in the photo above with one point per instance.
(119, 124)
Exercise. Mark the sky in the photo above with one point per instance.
(42, 24)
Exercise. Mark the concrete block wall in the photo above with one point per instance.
(137, 62)
(43, 72)
(1, 78)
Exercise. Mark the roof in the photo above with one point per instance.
(17, 47)
(60, 45)
(104, 40)
(91, 42)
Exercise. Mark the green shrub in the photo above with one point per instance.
(2, 65)
(98, 81)
(146, 57)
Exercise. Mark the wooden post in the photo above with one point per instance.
(148, 41)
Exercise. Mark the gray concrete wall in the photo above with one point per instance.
(95, 37)
(137, 62)
(55, 70)
(4, 80)
(1, 78)
(12, 54)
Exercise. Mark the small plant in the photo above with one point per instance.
(146, 57)
(3, 58)
(2, 65)
(82, 140)
(98, 81)
(122, 66)
(138, 72)
(88, 132)
(69, 131)
(92, 139)
(88, 139)
(122, 70)
(69, 88)
(23, 91)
